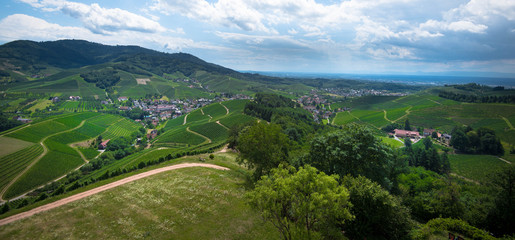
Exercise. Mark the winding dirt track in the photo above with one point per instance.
(101, 189)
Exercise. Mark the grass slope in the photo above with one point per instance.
(190, 203)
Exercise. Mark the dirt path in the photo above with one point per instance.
(198, 134)
(386, 118)
(407, 113)
(218, 122)
(101, 189)
(45, 151)
(226, 109)
(185, 117)
(202, 111)
(434, 101)
(508, 123)
(466, 179)
(504, 160)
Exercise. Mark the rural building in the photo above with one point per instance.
(405, 133)
(55, 99)
(123, 99)
(103, 144)
(446, 138)
(74, 98)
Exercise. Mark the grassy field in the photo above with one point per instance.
(475, 167)
(392, 142)
(191, 203)
(10, 145)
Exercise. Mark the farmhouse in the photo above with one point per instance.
(103, 144)
(405, 133)
(429, 132)
(123, 99)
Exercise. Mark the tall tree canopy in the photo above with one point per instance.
(303, 204)
(353, 150)
(263, 146)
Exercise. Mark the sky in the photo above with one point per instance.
(325, 36)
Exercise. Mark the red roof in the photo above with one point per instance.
(399, 132)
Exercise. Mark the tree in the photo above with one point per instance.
(427, 143)
(500, 218)
(378, 214)
(263, 146)
(407, 125)
(354, 150)
(434, 135)
(301, 204)
(460, 140)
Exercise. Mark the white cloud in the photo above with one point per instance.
(98, 19)
(21, 26)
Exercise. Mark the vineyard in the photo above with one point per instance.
(122, 128)
(81, 106)
(180, 135)
(235, 106)
(212, 131)
(14, 163)
(235, 119)
(215, 110)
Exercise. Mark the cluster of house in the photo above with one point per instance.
(345, 92)
(399, 133)
(159, 109)
(21, 119)
(316, 106)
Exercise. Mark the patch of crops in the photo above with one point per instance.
(172, 123)
(476, 167)
(38, 131)
(215, 110)
(121, 128)
(343, 118)
(89, 153)
(234, 119)
(196, 116)
(235, 105)
(180, 136)
(11, 165)
(53, 165)
(211, 130)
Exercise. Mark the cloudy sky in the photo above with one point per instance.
(333, 36)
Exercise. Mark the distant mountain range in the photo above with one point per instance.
(86, 68)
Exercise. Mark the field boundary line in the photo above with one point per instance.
(45, 151)
(226, 109)
(198, 134)
(108, 186)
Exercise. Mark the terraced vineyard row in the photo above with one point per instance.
(211, 130)
(121, 128)
(235, 119)
(14, 163)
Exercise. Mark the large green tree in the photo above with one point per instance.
(262, 147)
(303, 204)
(354, 150)
(379, 215)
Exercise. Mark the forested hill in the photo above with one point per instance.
(29, 56)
